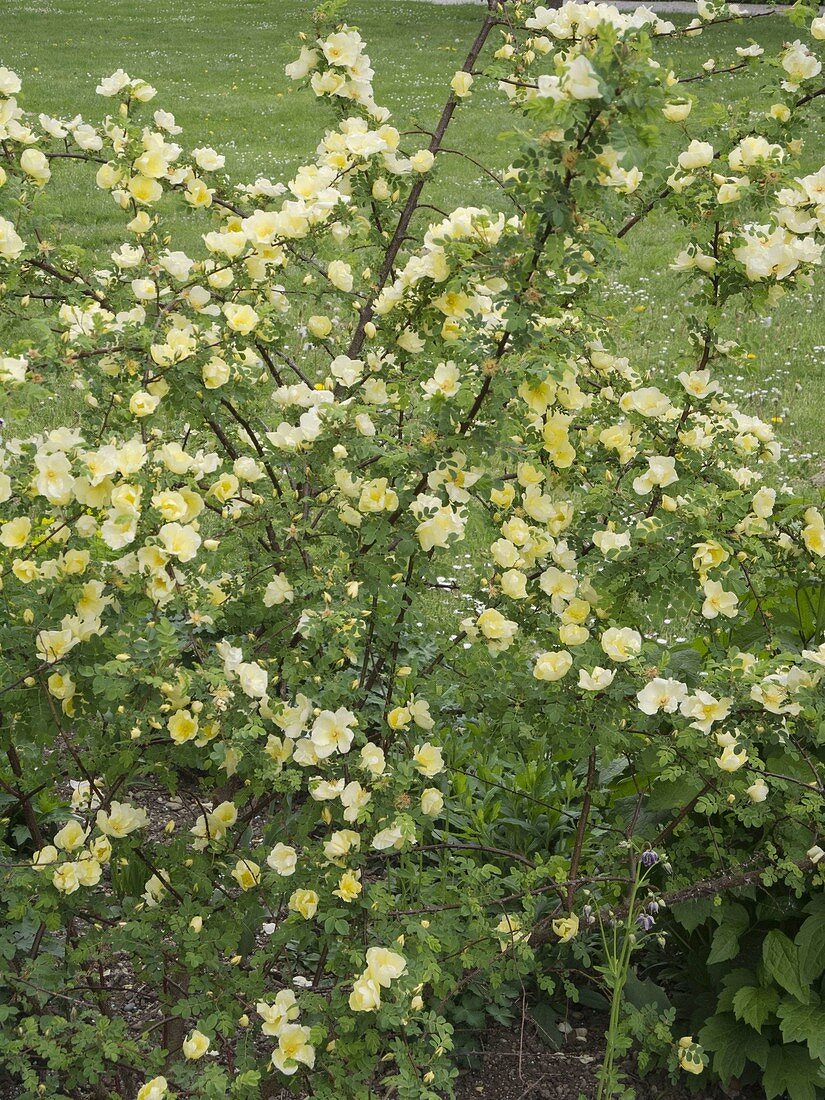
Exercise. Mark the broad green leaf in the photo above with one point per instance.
(816, 904)
(642, 993)
(781, 959)
(804, 1024)
(733, 1044)
(810, 939)
(690, 914)
(790, 1070)
(725, 943)
(754, 1005)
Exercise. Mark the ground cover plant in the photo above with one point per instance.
(382, 636)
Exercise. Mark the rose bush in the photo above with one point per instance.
(341, 490)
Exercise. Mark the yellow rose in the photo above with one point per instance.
(71, 836)
(552, 665)
(44, 857)
(566, 928)
(182, 726)
(143, 404)
(153, 1090)
(144, 189)
(349, 886)
(428, 759)
(304, 902)
(461, 84)
(510, 931)
(121, 819)
(65, 878)
(422, 161)
(283, 860)
(247, 874)
(15, 533)
(240, 318)
(432, 801)
(195, 1045)
(319, 326)
(25, 570)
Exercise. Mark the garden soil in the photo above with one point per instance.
(512, 1065)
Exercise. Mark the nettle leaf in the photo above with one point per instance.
(804, 1024)
(781, 959)
(733, 1044)
(754, 1005)
(733, 981)
(790, 1070)
(816, 904)
(725, 943)
(810, 939)
(690, 914)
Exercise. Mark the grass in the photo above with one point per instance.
(219, 68)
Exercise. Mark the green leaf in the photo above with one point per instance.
(816, 904)
(804, 1024)
(790, 1070)
(685, 662)
(690, 914)
(725, 944)
(546, 1019)
(810, 939)
(754, 1005)
(640, 994)
(781, 959)
(732, 1043)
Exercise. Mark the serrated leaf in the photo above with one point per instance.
(754, 1005)
(735, 979)
(732, 1043)
(725, 944)
(816, 903)
(790, 1070)
(690, 914)
(781, 959)
(810, 939)
(803, 1024)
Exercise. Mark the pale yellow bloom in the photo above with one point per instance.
(247, 874)
(566, 928)
(304, 902)
(195, 1045)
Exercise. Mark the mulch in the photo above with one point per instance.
(516, 1065)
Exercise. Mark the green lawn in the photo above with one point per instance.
(219, 68)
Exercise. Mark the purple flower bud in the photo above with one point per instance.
(587, 914)
(645, 922)
(653, 907)
(649, 858)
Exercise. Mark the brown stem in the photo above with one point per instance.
(256, 443)
(29, 816)
(581, 829)
(682, 814)
(366, 311)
